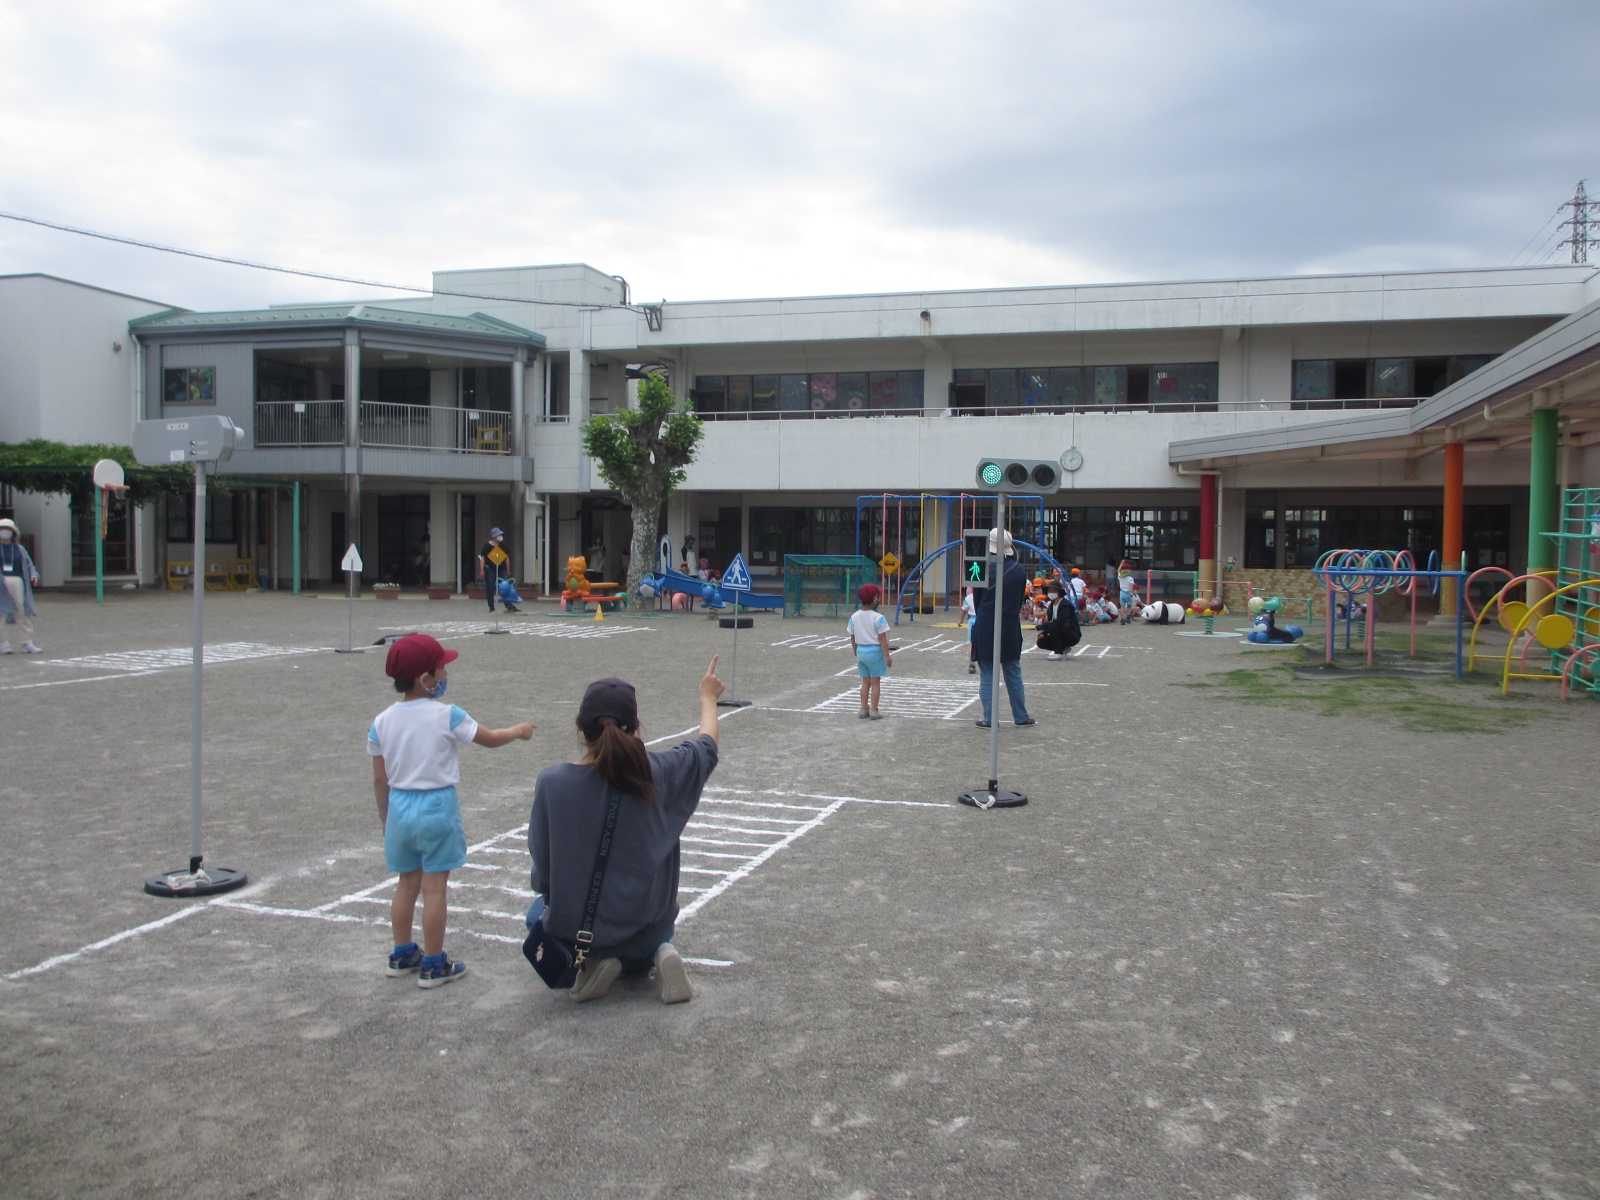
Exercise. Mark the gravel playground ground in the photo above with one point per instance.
(1230, 949)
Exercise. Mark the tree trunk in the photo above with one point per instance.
(646, 529)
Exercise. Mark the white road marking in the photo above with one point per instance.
(73, 955)
(145, 661)
(555, 629)
(938, 699)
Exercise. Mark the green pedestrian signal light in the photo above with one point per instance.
(991, 474)
(975, 558)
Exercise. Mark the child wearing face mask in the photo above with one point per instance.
(415, 749)
(18, 577)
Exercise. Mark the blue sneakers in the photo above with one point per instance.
(405, 960)
(436, 972)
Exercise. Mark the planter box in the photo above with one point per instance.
(386, 593)
(476, 591)
(440, 593)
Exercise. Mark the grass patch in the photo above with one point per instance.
(1421, 705)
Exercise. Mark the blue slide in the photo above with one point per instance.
(677, 581)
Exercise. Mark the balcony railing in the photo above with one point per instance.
(300, 423)
(1035, 410)
(392, 426)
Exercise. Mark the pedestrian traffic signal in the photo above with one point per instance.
(1019, 475)
(975, 558)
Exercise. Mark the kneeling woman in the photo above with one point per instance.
(660, 790)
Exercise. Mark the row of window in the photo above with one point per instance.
(1191, 384)
(1380, 378)
(833, 392)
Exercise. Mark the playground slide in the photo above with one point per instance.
(677, 581)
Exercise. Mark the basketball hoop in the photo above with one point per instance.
(108, 477)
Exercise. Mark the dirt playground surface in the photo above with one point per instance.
(1228, 950)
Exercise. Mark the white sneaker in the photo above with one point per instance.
(671, 975)
(5, 648)
(1056, 657)
(30, 648)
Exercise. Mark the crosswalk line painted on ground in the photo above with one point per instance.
(729, 837)
(179, 656)
(552, 629)
(490, 906)
(932, 699)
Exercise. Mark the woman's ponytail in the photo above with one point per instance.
(620, 757)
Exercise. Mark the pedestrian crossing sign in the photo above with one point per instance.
(737, 577)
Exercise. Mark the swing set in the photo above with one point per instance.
(922, 517)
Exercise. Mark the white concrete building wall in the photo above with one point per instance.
(68, 373)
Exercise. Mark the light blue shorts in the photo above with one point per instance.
(869, 662)
(424, 831)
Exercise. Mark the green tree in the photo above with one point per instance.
(642, 453)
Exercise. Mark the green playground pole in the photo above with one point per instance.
(99, 547)
(296, 566)
(1543, 498)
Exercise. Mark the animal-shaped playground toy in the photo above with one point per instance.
(1267, 628)
(1163, 612)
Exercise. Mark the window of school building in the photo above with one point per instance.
(1326, 382)
(1297, 536)
(821, 394)
(1189, 387)
(1094, 537)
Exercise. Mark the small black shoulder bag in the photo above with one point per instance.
(555, 959)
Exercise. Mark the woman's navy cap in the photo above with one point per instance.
(610, 697)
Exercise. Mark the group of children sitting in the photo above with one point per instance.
(1096, 607)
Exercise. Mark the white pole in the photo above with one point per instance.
(197, 708)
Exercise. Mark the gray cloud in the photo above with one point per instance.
(769, 149)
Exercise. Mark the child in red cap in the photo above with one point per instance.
(415, 748)
(869, 631)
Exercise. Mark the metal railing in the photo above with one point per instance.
(300, 423)
(1023, 410)
(391, 426)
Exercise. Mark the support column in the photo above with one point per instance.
(442, 524)
(578, 386)
(1544, 497)
(1455, 472)
(1210, 579)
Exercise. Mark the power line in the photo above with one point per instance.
(1541, 232)
(255, 266)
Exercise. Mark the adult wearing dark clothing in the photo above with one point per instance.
(1013, 586)
(638, 909)
(490, 572)
(1059, 631)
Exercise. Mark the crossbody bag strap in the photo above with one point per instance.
(585, 938)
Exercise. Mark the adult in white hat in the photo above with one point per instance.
(16, 598)
(1011, 587)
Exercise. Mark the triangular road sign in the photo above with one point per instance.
(352, 559)
(737, 577)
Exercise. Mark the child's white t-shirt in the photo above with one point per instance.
(1125, 583)
(969, 606)
(418, 741)
(866, 624)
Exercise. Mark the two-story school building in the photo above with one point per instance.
(1260, 421)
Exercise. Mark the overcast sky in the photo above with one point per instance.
(711, 149)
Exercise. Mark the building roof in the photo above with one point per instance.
(478, 325)
(1558, 367)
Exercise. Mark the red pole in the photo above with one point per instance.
(1208, 536)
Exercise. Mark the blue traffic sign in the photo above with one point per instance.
(737, 577)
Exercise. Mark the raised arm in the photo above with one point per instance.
(710, 689)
